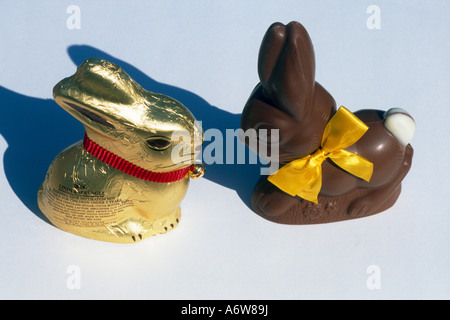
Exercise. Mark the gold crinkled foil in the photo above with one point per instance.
(85, 196)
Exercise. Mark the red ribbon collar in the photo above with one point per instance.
(130, 168)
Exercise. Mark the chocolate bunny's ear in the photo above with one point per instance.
(286, 68)
(288, 98)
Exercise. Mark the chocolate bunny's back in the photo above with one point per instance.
(289, 99)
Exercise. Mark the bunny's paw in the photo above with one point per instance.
(360, 208)
(270, 202)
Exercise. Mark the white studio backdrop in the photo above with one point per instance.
(369, 54)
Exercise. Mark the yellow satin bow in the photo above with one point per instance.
(303, 177)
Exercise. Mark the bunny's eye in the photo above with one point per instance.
(159, 143)
(268, 134)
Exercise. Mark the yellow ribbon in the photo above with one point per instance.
(303, 177)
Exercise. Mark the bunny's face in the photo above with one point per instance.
(297, 137)
(148, 129)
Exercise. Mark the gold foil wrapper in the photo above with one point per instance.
(82, 194)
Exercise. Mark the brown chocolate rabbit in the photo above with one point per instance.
(289, 99)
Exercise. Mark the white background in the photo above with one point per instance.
(204, 53)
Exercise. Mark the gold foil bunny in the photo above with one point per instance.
(124, 182)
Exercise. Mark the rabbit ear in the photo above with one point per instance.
(269, 52)
(286, 68)
(102, 81)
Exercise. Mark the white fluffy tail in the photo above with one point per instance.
(400, 124)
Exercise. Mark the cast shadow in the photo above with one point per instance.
(36, 130)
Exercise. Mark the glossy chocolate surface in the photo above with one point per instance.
(289, 99)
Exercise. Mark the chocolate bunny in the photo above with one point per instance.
(289, 99)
